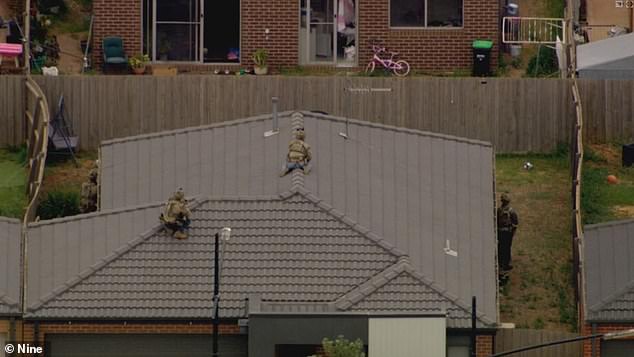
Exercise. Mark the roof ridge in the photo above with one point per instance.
(371, 285)
(9, 220)
(99, 213)
(403, 265)
(8, 301)
(103, 262)
(454, 299)
(343, 218)
(629, 288)
(250, 119)
(620, 222)
(399, 129)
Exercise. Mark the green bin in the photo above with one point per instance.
(482, 57)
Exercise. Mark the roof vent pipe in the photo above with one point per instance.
(346, 135)
(276, 124)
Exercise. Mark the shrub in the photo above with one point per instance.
(59, 204)
(52, 7)
(341, 347)
(548, 63)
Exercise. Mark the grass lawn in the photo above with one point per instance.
(61, 174)
(540, 292)
(12, 184)
(601, 201)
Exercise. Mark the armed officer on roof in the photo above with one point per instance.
(507, 225)
(299, 154)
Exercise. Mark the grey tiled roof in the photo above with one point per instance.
(286, 250)
(609, 271)
(416, 190)
(60, 249)
(10, 231)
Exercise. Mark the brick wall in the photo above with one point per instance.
(601, 328)
(432, 48)
(121, 18)
(124, 328)
(4, 326)
(484, 345)
(425, 49)
(281, 17)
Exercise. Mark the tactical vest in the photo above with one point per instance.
(296, 151)
(504, 218)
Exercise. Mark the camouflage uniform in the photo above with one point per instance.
(298, 153)
(175, 216)
(89, 194)
(507, 225)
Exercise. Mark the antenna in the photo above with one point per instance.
(276, 124)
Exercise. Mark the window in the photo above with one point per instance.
(458, 346)
(426, 13)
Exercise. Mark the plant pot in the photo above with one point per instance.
(261, 70)
(138, 70)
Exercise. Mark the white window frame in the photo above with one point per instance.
(425, 27)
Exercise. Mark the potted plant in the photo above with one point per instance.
(138, 63)
(164, 47)
(260, 58)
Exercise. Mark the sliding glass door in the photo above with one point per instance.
(177, 27)
(328, 32)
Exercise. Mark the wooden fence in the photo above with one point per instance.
(509, 339)
(12, 98)
(37, 119)
(514, 114)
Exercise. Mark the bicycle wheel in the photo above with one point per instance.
(401, 68)
(369, 69)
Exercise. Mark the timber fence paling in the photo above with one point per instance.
(509, 339)
(11, 110)
(516, 115)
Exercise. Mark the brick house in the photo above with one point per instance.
(363, 243)
(433, 35)
(609, 281)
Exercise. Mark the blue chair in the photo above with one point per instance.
(113, 53)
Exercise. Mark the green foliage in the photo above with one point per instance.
(19, 153)
(341, 347)
(138, 60)
(593, 199)
(12, 183)
(555, 8)
(52, 7)
(543, 64)
(590, 155)
(59, 204)
(261, 57)
(516, 62)
(538, 324)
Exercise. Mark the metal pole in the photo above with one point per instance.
(27, 39)
(276, 125)
(473, 326)
(216, 295)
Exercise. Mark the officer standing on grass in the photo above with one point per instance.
(507, 225)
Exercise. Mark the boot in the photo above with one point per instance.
(180, 235)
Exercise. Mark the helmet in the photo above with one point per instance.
(179, 195)
(93, 175)
(505, 198)
(300, 134)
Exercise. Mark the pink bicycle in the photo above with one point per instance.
(400, 67)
